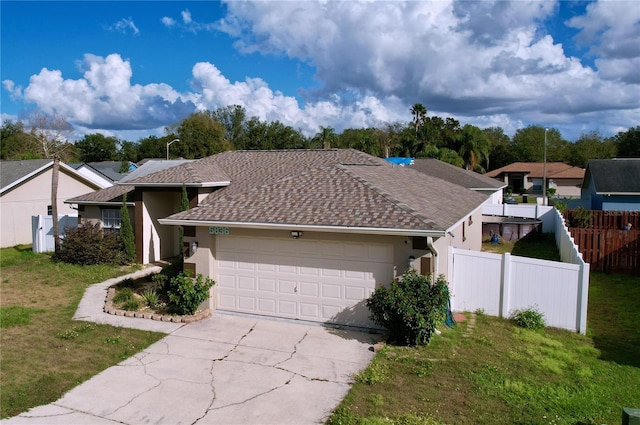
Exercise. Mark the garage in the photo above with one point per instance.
(314, 280)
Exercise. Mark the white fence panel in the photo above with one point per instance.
(500, 284)
(476, 283)
(539, 212)
(549, 286)
(42, 230)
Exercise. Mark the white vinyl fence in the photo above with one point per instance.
(500, 284)
(42, 230)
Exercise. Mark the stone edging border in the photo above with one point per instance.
(110, 309)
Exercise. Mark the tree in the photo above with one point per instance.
(201, 135)
(628, 143)
(51, 132)
(126, 231)
(499, 148)
(419, 113)
(474, 148)
(151, 147)
(233, 119)
(528, 145)
(97, 147)
(128, 152)
(325, 138)
(591, 146)
(16, 144)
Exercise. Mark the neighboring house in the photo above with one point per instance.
(301, 234)
(465, 178)
(26, 192)
(527, 177)
(104, 172)
(612, 185)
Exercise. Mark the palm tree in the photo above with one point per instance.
(419, 114)
(474, 147)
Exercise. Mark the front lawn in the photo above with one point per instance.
(496, 373)
(42, 351)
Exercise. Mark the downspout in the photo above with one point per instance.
(434, 252)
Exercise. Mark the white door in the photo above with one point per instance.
(318, 281)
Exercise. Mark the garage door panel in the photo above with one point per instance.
(266, 285)
(247, 283)
(311, 289)
(309, 280)
(287, 308)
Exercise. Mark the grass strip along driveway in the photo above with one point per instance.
(42, 351)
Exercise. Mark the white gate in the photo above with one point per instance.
(42, 230)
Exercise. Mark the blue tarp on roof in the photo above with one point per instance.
(400, 161)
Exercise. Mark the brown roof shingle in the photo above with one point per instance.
(555, 170)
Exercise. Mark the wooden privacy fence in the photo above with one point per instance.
(609, 250)
(602, 241)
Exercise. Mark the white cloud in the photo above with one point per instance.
(168, 22)
(105, 98)
(14, 91)
(124, 26)
(186, 16)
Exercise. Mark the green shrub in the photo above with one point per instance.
(88, 244)
(123, 295)
(529, 318)
(131, 305)
(151, 298)
(411, 308)
(126, 232)
(186, 294)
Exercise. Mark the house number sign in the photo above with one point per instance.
(218, 230)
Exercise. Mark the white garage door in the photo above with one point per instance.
(309, 280)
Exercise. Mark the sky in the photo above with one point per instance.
(130, 68)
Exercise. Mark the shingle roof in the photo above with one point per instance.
(453, 174)
(112, 194)
(555, 170)
(614, 176)
(12, 171)
(190, 173)
(343, 188)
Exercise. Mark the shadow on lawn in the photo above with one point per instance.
(613, 317)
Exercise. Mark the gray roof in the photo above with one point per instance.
(109, 195)
(110, 169)
(614, 176)
(343, 188)
(457, 175)
(13, 171)
(152, 166)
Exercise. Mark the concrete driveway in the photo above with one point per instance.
(222, 370)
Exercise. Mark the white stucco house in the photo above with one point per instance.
(298, 234)
(26, 192)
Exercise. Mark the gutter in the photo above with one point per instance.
(308, 228)
(434, 252)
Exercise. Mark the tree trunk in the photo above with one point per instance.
(54, 202)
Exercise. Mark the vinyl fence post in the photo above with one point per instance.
(505, 285)
(583, 295)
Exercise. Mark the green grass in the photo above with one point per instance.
(502, 374)
(43, 352)
(534, 245)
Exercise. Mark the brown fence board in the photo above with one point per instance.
(609, 250)
(603, 219)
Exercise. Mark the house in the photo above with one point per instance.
(104, 172)
(527, 177)
(612, 185)
(302, 234)
(465, 178)
(26, 192)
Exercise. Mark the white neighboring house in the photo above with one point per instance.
(26, 192)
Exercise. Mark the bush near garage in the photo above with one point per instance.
(410, 309)
(186, 293)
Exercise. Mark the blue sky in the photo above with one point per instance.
(131, 68)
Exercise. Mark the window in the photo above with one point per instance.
(111, 220)
(49, 210)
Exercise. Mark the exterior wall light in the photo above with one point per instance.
(193, 247)
(295, 234)
(412, 261)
